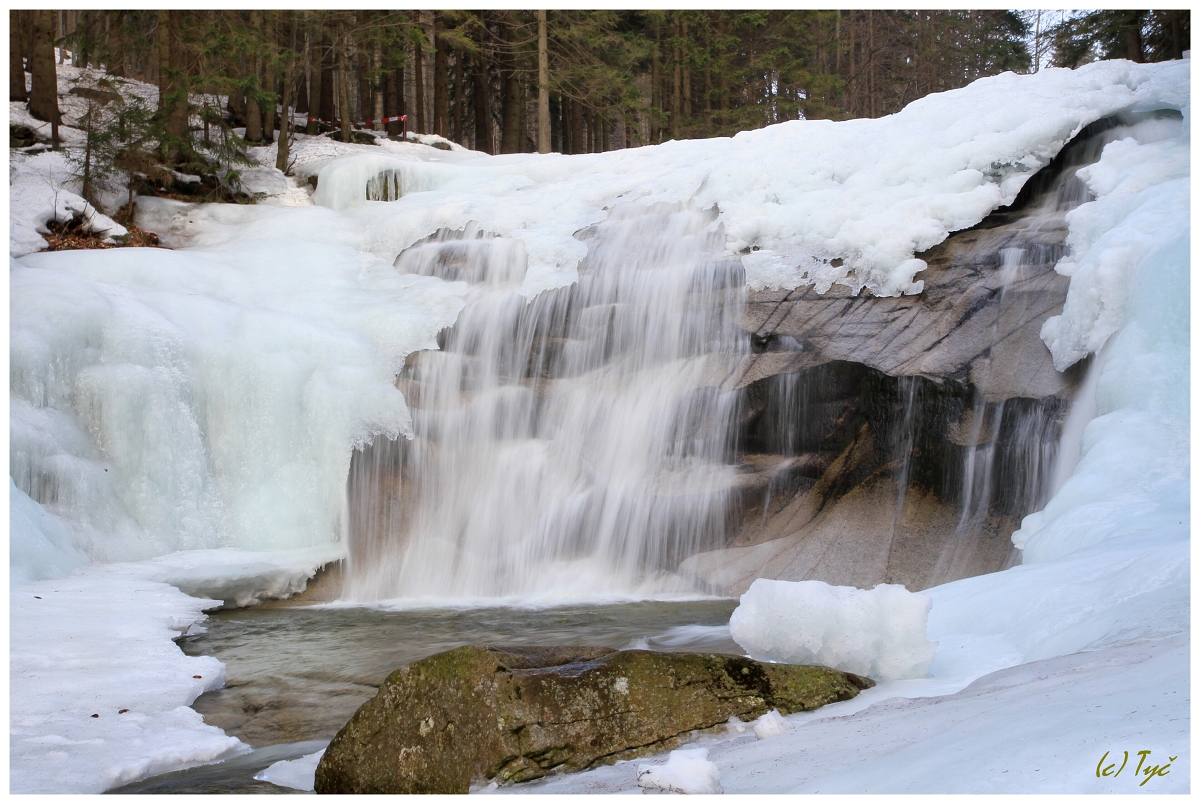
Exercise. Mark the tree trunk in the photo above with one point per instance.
(556, 127)
(1133, 37)
(483, 114)
(343, 51)
(286, 131)
(271, 85)
(302, 66)
(441, 94)
(419, 86)
(379, 84)
(656, 102)
(16, 62)
(43, 96)
(177, 93)
(254, 120)
(677, 83)
(511, 94)
(543, 86)
(327, 77)
(315, 76)
(1176, 34)
(162, 35)
(460, 136)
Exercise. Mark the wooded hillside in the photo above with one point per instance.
(507, 81)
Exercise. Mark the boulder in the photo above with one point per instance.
(514, 714)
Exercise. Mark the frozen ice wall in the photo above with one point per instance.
(170, 400)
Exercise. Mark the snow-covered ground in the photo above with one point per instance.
(208, 398)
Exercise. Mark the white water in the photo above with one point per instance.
(571, 445)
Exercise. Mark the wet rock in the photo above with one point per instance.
(514, 714)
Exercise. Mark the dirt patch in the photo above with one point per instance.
(72, 235)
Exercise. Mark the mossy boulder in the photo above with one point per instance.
(514, 714)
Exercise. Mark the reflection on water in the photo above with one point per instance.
(298, 674)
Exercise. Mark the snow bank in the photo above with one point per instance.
(686, 771)
(181, 400)
(42, 190)
(1040, 727)
(99, 643)
(297, 774)
(878, 633)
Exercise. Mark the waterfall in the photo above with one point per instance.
(575, 444)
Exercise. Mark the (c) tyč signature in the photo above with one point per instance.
(1150, 770)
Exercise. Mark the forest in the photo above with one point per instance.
(509, 81)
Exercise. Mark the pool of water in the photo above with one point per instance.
(294, 676)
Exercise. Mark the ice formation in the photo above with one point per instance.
(298, 774)
(687, 770)
(174, 400)
(878, 633)
(771, 724)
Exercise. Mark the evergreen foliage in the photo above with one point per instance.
(616, 78)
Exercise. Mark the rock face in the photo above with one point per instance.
(515, 714)
(901, 440)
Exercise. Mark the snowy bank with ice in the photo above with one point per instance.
(879, 633)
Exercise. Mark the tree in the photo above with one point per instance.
(1134, 35)
(43, 95)
(120, 135)
(16, 58)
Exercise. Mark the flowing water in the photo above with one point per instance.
(572, 445)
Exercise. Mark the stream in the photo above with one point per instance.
(294, 676)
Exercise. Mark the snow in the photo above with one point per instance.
(793, 198)
(99, 640)
(1041, 727)
(95, 643)
(298, 774)
(42, 190)
(878, 633)
(39, 544)
(686, 771)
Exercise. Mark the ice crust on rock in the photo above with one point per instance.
(687, 770)
(298, 774)
(771, 724)
(879, 633)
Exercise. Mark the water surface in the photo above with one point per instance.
(296, 675)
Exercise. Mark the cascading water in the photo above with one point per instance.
(572, 445)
